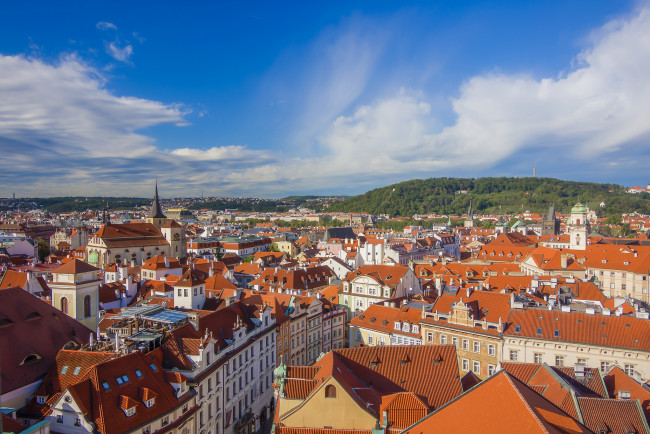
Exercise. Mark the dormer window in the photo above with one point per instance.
(129, 411)
(150, 402)
(406, 327)
(415, 329)
(41, 399)
(397, 325)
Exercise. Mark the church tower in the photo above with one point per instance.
(156, 216)
(75, 292)
(175, 236)
(578, 227)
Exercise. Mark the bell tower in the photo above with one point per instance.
(578, 227)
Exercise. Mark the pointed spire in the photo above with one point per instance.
(156, 211)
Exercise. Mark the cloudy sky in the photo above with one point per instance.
(267, 99)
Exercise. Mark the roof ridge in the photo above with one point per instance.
(525, 402)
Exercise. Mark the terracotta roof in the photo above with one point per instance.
(158, 263)
(74, 266)
(104, 407)
(389, 275)
(517, 409)
(29, 327)
(613, 415)
(609, 331)
(12, 279)
(403, 409)
(617, 380)
(382, 319)
(171, 224)
(188, 279)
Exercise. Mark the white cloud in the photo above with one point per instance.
(121, 54)
(105, 25)
(221, 153)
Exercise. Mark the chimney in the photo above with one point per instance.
(468, 291)
(166, 261)
(563, 261)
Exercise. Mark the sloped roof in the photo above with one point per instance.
(74, 266)
(30, 326)
(501, 404)
(612, 415)
(609, 331)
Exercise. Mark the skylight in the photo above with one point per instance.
(106, 386)
(153, 367)
(138, 373)
(119, 380)
(64, 370)
(76, 370)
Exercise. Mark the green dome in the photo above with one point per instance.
(579, 208)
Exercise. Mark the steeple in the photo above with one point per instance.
(156, 211)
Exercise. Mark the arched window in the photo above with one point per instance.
(64, 305)
(330, 391)
(87, 306)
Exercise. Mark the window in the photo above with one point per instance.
(539, 330)
(491, 369)
(64, 305)
(77, 422)
(369, 338)
(87, 310)
(138, 373)
(153, 367)
(465, 344)
(514, 355)
(430, 337)
(330, 391)
(517, 329)
(443, 339)
(454, 342)
(415, 329)
(465, 365)
(629, 370)
(40, 399)
(119, 381)
(64, 370)
(165, 421)
(359, 338)
(397, 325)
(382, 340)
(491, 350)
(146, 429)
(604, 366)
(130, 411)
(538, 358)
(180, 292)
(477, 367)
(623, 394)
(559, 361)
(76, 370)
(477, 347)
(59, 418)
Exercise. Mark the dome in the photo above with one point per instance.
(579, 208)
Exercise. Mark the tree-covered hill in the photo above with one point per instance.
(491, 196)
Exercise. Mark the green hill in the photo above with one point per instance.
(491, 196)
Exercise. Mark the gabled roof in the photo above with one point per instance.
(389, 275)
(617, 381)
(189, 278)
(501, 404)
(613, 415)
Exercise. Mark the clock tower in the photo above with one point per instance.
(175, 235)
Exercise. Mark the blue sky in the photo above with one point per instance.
(269, 99)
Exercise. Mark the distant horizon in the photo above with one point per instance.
(256, 100)
(163, 197)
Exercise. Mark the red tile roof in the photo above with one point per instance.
(613, 415)
(500, 404)
(30, 326)
(74, 266)
(609, 331)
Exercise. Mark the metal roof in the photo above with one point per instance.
(167, 316)
(138, 311)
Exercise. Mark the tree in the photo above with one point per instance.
(42, 248)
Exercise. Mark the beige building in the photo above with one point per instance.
(131, 243)
(75, 291)
(472, 321)
(370, 284)
(383, 325)
(574, 338)
(287, 247)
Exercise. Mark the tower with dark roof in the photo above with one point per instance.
(156, 216)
